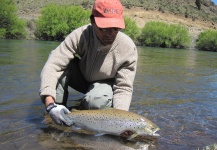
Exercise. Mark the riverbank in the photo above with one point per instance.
(195, 27)
(141, 16)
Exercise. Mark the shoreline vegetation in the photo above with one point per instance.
(50, 25)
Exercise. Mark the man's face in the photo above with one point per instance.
(105, 35)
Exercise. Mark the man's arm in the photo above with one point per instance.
(48, 100)
(53, 69)
(58, 60)
(123, 86)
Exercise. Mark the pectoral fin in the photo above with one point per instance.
(99, 134)
(132, 136)
(75, 128)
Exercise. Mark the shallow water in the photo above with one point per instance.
(176, 89)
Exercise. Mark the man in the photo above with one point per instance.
(105, 71)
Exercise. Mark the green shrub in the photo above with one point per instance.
(10, 25)
(207, 41)
(160, 34)
(198, 4)
(2, 33)
(57, 21)
(131, 29)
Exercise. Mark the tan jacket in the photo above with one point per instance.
(98, 62)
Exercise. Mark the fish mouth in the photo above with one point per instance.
(154, 132)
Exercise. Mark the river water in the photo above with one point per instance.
(176, 89)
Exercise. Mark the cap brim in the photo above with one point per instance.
(109, 22)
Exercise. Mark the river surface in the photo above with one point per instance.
(175, 89)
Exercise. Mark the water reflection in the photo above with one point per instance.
(176, 89)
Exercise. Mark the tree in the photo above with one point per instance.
(198, 4)
(160, 34)
(57, 21)
(10, 25)
(207, 41)
(131, 29)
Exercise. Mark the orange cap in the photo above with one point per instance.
(108, 13)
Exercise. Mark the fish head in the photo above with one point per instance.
(148, 128)
(151, 131)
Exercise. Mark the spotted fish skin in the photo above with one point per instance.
(113, 121)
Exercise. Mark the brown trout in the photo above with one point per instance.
(114, 122)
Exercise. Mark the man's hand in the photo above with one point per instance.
(58, 114)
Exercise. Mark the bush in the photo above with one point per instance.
(57, 21)
(198, 4)
(160, 34)
(2, 33)
(131, 29)
(10, 25)
(207, 41)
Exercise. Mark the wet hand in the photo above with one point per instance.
(58, 114)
